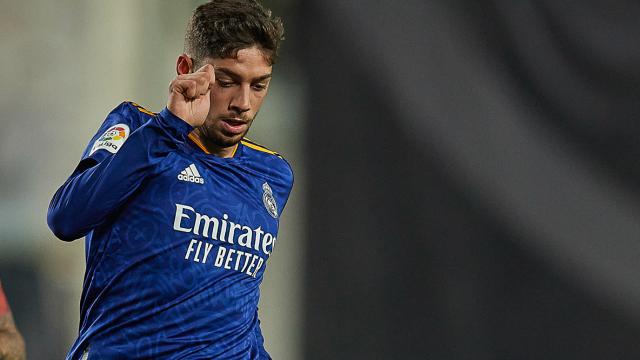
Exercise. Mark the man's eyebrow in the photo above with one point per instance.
(263, 77)
(237, 77)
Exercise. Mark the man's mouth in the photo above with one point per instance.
(234, 126)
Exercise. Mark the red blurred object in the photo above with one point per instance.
(4, 306)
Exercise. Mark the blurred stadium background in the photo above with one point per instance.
(467, 173)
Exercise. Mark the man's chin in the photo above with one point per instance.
(228, 140)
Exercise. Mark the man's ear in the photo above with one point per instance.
(184, 64)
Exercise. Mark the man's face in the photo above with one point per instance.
(241, 86)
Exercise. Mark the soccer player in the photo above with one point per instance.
(180, 211)
(11, 342)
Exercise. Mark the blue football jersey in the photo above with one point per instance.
(177, 240)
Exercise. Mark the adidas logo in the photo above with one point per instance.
(191, 174)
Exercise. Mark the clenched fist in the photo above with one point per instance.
(189, 95)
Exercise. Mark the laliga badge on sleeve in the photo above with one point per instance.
(112, 139)
(269, 201)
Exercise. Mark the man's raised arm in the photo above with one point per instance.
(113, 169)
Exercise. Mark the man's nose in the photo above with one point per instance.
(240, 103)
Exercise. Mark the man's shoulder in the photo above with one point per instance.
(116, 128)
(259, 148)
(128, 114)
(273, 161)
(132, 110)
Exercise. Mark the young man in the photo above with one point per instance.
(11, 342)
(179, 210)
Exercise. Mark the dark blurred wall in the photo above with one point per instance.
(472, 179)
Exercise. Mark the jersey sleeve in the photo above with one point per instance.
(113, 132)
(288, 180)
(128, 147)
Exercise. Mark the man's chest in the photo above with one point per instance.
(228, 192)
(216, 215)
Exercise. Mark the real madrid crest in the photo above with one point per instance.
(269, 201)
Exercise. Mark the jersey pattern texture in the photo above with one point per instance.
(177, 240)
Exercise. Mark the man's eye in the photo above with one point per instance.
(259, 87)
(225, 83)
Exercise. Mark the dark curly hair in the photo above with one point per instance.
(219, 28)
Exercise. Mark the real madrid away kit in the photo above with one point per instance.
(177, 240)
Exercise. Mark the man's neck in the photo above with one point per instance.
(209, 147)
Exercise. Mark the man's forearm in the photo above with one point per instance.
(11, 342)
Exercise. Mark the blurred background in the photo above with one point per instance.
(466, 172)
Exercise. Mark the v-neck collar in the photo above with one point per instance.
(200, 148)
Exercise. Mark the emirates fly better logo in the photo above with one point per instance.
(112, 139)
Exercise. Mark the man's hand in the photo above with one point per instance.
(189, 95)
